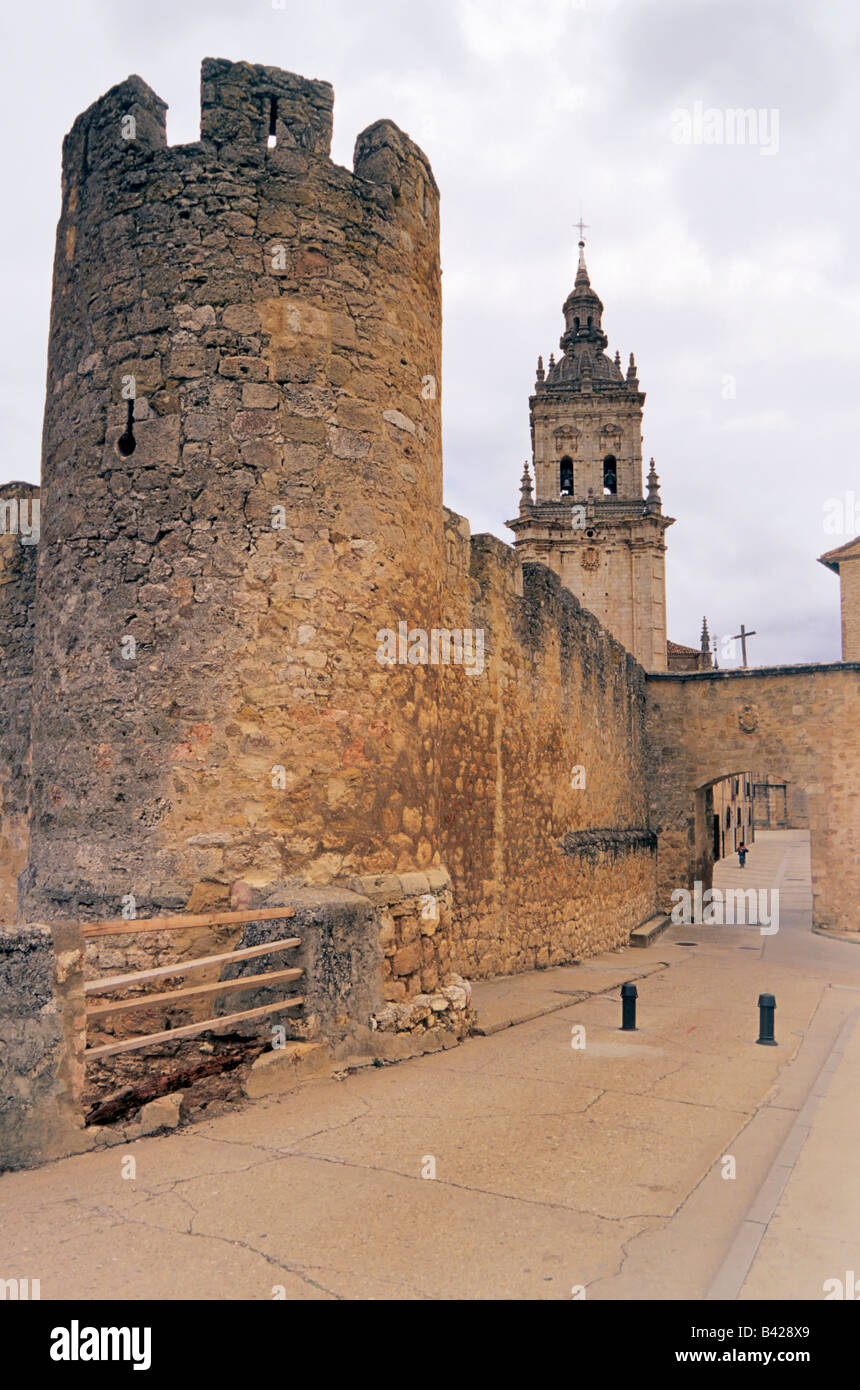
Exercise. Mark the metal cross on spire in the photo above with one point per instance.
(743, 635)
(582, 226)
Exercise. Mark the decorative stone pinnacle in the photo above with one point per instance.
(541, 374)
(653, 503)
(525, 487)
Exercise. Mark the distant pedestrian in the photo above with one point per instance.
(742, 854)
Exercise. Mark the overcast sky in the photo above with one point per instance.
(729, 269)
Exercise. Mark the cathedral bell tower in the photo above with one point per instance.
(588, 519)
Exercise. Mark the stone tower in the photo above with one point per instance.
(588, 519)
(242, 483)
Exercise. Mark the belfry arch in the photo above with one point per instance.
(802, 721)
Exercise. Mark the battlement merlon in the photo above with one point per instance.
(386, 157)
(241, 104)
(128, 120)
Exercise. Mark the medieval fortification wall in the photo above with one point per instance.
(242, 486)
(253, 660)
(219, 552)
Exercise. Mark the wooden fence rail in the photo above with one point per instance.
(172, 996)
(119, 926)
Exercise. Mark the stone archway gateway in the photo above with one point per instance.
(803, 720)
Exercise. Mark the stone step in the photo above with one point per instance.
(648, 932)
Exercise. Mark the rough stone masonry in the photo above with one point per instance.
(241, 488)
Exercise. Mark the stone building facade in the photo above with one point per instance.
(845, 561)
(734, 813)
(779, 805)
(681, 658)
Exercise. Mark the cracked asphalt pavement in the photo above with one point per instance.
(557, 1168)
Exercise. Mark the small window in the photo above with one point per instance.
(273, 123)
(566, 477)
(610, 476)
(576, 324)
(589, 320)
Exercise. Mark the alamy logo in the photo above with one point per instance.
(708, 125)
(414, 647)
(847, 1289)
(736, 907)
(76, 1343)
(842, 515)
(20, 1289)
(14, 522)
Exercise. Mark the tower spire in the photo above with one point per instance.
(583, 310)
(582, 227)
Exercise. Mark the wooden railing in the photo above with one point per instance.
(122, 926)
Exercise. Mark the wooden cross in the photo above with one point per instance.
(743, 635)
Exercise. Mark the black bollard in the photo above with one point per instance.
(766, 1008)
(629, 996)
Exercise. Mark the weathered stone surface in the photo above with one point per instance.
(600, 845)
(162, 1113)
(20, 525)
(413, 884)
(407, 960)
(557, 692)
(227, 279)
(283, 1069)
(42, 1031)
(340, 955)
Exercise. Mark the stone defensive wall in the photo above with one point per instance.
(801, 723)
(253, 663)
(547, 743)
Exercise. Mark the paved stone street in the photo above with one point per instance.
(555, 1166)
